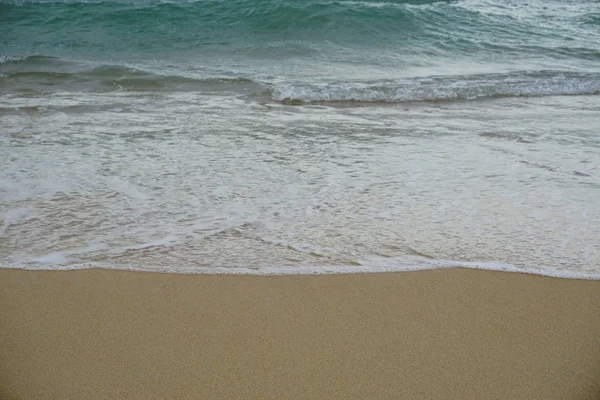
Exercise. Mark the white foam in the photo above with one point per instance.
(57, 262)
(525, 84)
(13, 216)
(50, 259)
(57, 259)
(9, 59)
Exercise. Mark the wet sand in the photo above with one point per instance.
(442, 334)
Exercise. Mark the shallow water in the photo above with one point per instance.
(344, 156)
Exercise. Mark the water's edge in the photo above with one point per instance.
(304, 271)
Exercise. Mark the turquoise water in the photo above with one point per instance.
(300, 136)
(305, 50)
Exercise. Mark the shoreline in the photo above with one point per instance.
(440, 333)
(322, 270)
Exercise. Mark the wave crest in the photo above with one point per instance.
(446, 88)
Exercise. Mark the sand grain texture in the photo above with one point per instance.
(443, 334)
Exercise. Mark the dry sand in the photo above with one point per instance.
(444, 334)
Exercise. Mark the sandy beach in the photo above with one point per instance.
(440, 334)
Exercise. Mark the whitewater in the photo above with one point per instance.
(300, 137)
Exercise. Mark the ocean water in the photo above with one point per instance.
(300, 136)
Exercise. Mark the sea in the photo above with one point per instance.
(300, 136)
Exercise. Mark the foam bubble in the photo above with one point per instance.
(10, 59)
(57, 261)
(443, 88)
(14, 216)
